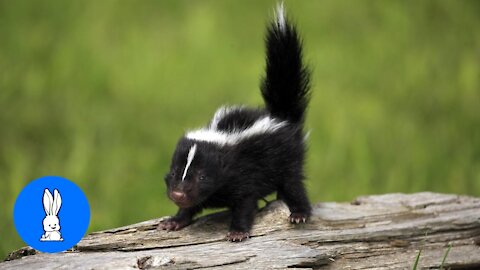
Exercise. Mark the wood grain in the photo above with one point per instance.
(372, 232)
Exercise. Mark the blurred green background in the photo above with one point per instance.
(99, 92)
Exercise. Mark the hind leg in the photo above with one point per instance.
(294, 195)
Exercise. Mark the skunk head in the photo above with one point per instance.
(194, 173)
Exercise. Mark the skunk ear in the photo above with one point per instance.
(47, 202)
(57, 202)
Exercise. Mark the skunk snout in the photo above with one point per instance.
(178, 196)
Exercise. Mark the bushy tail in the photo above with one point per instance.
(285, 87)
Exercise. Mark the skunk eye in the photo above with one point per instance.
(172, 174)
(202, 177)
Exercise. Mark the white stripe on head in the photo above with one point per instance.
(280, 17)
(191, 155)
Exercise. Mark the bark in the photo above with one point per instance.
(372, 232)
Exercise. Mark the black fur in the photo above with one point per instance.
(286, 86)
(237, 175)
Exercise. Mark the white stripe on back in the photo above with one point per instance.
(219, 114)
(213, 135)
(191, 155)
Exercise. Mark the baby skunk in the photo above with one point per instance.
(245, 154)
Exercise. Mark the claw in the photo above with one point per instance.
(171, 225)
(237, 236)
(298, 218)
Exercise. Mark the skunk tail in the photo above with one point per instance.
(285, 87)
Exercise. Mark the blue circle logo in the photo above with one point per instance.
(51, 214)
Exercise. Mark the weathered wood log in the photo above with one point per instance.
(373, 232)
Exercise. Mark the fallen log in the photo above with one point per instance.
(372, 232)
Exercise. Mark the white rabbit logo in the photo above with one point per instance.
(51, 223)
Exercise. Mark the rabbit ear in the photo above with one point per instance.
(57, 202)
(47, 202)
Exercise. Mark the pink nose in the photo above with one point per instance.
(178, 196)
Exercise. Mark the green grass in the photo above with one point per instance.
(99, 92)
(445, 255)
(417, 259)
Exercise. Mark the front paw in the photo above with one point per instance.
(237, 236)
(172, 224)
(298, 217)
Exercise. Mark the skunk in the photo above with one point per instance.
(244, 154)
